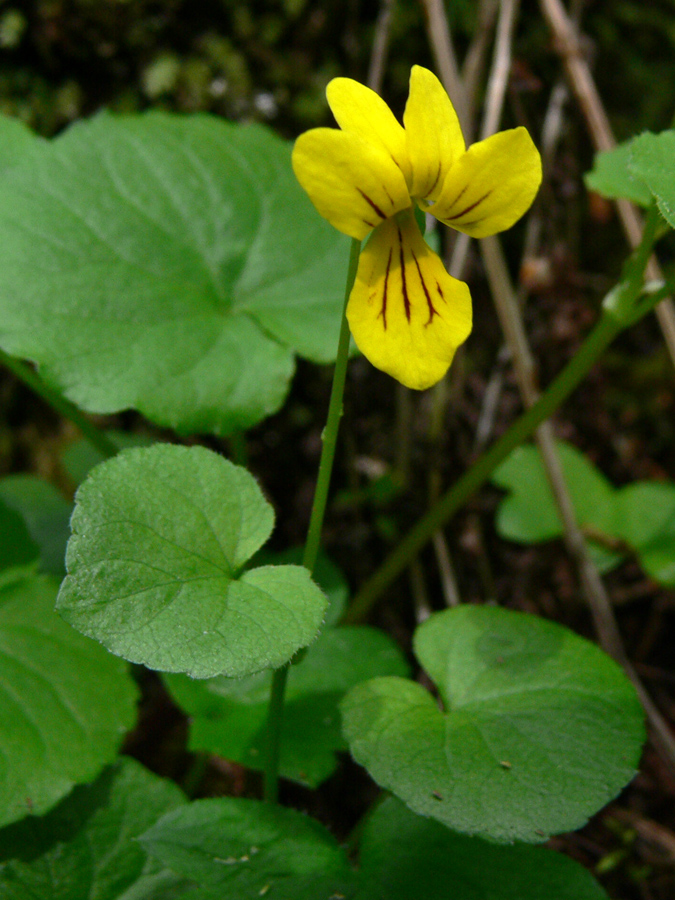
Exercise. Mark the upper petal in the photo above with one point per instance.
(407, 315)
(433, 133)
(360, 110)
(491, 185)
(353, 183)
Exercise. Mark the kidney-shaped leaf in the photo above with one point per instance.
(246, 848)
(64, 702)
(160, 535)
(529, 513)
(539, 728)
(408, 857)
(86, 846)
(228, 716)
(170, 264)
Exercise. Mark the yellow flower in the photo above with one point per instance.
(407, 315)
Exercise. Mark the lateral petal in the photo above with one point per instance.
(406, 314)
(360, 110)
(351, 182)
(433, 133)
(491, 185)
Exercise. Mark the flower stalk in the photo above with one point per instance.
(313, 542)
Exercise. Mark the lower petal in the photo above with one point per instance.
(406, 314)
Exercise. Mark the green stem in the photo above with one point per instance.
(329, 436)
(329, 439)
(275, 719)
(67, 409)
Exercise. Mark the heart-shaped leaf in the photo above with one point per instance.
(167, 263)
(160, 537)
(228, 716)
(245, 848)
(64, 702)
(539, 728)
(86, 846)
(529, 514)
(408, 857)
(641, 515)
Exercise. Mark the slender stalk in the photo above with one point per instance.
(67, 409)
(329, 439)
(275, 719)
(330, 432)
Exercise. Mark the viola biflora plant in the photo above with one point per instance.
(173, 265)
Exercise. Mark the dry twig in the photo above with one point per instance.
(380, 49)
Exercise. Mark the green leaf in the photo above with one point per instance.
(17, 547)
(652, 161)
(326, 574)
(46, 513)
(64, 702)
(86, 847)
(530, 515)
(15, 140)
(613, 177)
(646, 520)
(149, 262)
(245, 848)
(160, 535)
(228, 716)
(539, 728)
(407, 857)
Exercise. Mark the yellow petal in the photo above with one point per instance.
(407, 315)
(360, 110)
(352, 183)
(432, 131)
(490, 186)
